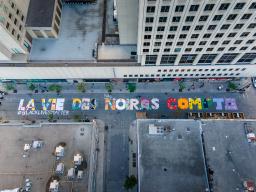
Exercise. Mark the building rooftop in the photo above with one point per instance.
(172, 161)
(228, 153)
(40, 13)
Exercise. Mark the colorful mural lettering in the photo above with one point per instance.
(59, 106)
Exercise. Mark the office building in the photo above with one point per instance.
(13, 38)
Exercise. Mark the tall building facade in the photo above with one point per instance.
(13, 37)
(197, 33)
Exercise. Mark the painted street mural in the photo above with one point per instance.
(59, 106)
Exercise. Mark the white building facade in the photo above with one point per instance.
(13, 37)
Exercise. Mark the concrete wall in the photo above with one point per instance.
(127, 15)
(125, 72)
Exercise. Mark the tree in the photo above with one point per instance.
(232, 86)
(81, 87)
(109, 87)
(131, 87)
(77, 118)
(50, 117)
(9, 86)
(130, 182)
(182, 86)
(55, 87)
(31, 87)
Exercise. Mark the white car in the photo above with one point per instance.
(254, 81)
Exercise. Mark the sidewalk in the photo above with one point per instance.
(194, 86)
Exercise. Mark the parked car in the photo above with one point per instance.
(254, 81)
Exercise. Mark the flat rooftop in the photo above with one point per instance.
(80, 31)
(171, 162)
(39, 164)
(229, 154)
(40, 13)
(116, 52)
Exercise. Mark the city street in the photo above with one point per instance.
(118, 122)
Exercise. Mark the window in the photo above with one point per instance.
(165, 9)
(147, 36)
(194, 36)
(239, 6)
(252, 26)
(203, 18)
(183, 36)
(170, 36)
(185, 28)
(10, 15)
(217, 17)
(18, 12)
(211, 27)
(227, 58)
(199, 27)
(151, 59)
(159, 36)
(244, 48)
(226, 26)
(180, 43)
(232, 17)
(232, 49)
(173, 28)
(224, 6)
(168, 59)
(253, 6)
(167, 50)
(187, 59)
(149, 19)
(146, 43)
(209, 49)
(247, 58)
(231, 34)
(22, 17)
(238, 26)
(179, 8)
(250, 41)
(214, 42)
(148, 29)
(244, 34)
(155, 50)
(208, 7)
(190, 18)
(176, 19)
(238, 42)
(207, 35)
(219, 35)
(246, 16)
(168, 43)
(145, 50)
(193, 7)
(161, 28)
(202, 43)
(15, 21)
(199, 49)
(221, 49)
(157, 43)
(225, 42)
(162, 19)
(188, 50)
(150, 9)
(191, 43)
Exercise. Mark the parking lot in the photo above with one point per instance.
(38, 165)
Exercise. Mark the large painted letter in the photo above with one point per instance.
(21, 107)
(45, 105)
(145, 104)
(230, 104)
(53, 106)
(60, 104)
(110, 104)
(183, 103)
(120, 104)
(31, 105)
(155, 103)
(76, 104)
(133, 104)
(196, 101)
(218, 102)
(172, 103)
(85, 104)
(207, 102)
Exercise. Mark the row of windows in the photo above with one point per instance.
(193, 8)
(205, 59)
(182, 75)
